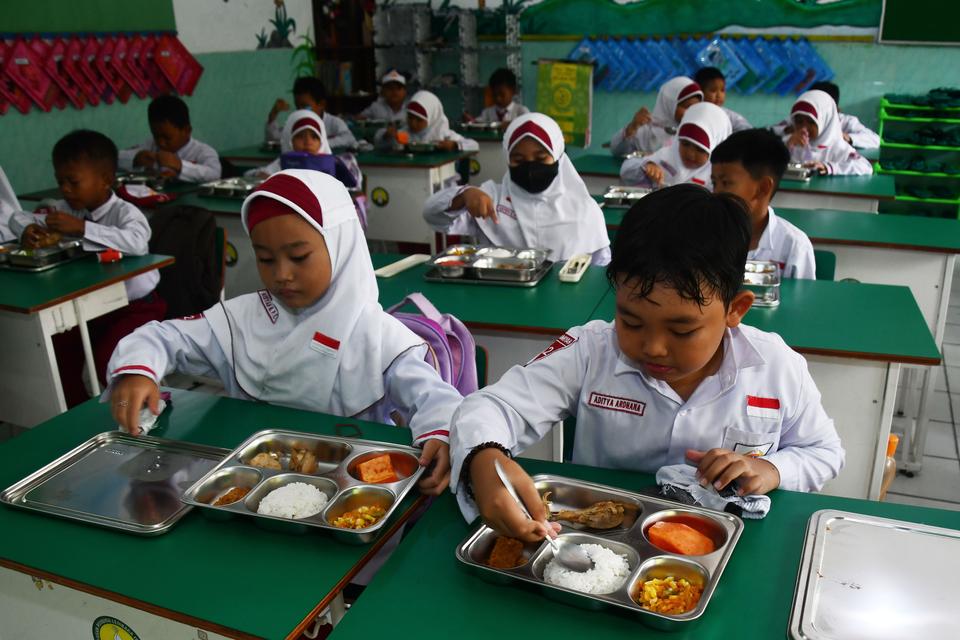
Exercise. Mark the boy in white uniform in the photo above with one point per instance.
(309, 93)
(392, 103)
(504, 110)
(750, 164)
(172, 149)
(676, 378)
(714, 85)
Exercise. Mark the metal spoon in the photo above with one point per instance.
(571, 556)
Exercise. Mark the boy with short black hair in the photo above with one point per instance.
(309, 93)
(172, 149)
(503, 90)
(675, 378)
(714, 86)
(392, 103)
(85, 164)
(750, 164)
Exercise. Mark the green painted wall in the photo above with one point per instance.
(864, 72)
(227, 109)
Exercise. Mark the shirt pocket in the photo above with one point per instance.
(751, 443)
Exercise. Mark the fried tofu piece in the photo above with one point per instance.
(377, 470)
(507, 553)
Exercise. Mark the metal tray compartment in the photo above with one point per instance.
(629, 539)
(118, 481)
(864, 577)
(6, 248)
(763, 278)
(230, 187)
(336, 476)
(34, 260)
(622, 196)
(496, 265)
(796, 171)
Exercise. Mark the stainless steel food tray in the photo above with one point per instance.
(421, 147)
(118, 481)
(238, 188)
(645, 560)
(796, 171)
(481, 126)
(497, 265)
(336, 477)
(6, 248)
(869, 578)
(622, 196)
(763, 278)
(36, 260)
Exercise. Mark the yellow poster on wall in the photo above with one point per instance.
(565, 93)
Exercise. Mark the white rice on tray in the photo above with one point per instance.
(610, 571)
(296, 500)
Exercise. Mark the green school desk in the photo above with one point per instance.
(855, 338)
(598, 170)
(397, 186)
(752, 601)
(253, 155)
(53, 193)
(843, 193)
(513, 324)
(222, 578)
(36, 306)
(490, 163)
(919, 253)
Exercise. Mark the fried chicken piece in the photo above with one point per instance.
(266, 460)
(303, 461)
(507, 553)
(606, 514)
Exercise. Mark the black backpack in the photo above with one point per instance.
(192, 284)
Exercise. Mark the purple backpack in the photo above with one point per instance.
(451, 348)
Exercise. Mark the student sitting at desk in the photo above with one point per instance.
(541, 202)
(750, 164)
(426, 123)
(309, 93)
(392, 103)
(505, 109)
(687, 157)
(172, 150)
(85, 164)
(855, 132)
(714, 86)
(817, 141)
(9, 205)
(675, 379)
(315, 338)
(648, 132)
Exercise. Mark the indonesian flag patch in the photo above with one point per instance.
(325, 345)
(562, 342)
(768, 408)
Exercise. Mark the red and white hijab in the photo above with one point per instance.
(705, 125)
(303, 120)
(672, 93)
(427, 106)
(563, 218)
(330, 357)
(820, 107)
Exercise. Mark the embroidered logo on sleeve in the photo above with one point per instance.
(325, 345)
(267, 301)
(562, 342)
(616, 403)
(768, 408)
(195, 316)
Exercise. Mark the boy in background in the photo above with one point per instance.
(503, 89)
(172, 150)
(750, 164)
(392, 103)
(85, 164)
(309, 93)
(714, 86)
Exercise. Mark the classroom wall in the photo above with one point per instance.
(864, 72)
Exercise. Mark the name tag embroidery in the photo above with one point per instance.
(267, 301)
(507, 211)
(562, 342)
(616, 403)
(325, 345)
(767, 408)
(752, 450)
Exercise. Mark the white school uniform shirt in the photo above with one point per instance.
(493, 113)
(785, 244)
(380, 110)
(828, 147)
(563, 218)
(705, 125)
(338, 133)
(737, 121)
(9, 205)
(200, 161)
(663, 123)
(427, 106)
(762, 401)
(861, 136)
(116, 224)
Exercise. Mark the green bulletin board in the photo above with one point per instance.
(65, 16)
(565, 93)
(920, 22)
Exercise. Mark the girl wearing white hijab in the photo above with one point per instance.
(704, 126)
(817, 138)
(541, 202)
(9, 205)
(316, 338)
(426, 122)
(647, 132)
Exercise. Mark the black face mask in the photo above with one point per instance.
(534, 176)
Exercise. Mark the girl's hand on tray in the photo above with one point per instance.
(130, 393)
(753, 475)
(436, 457)
(498, 509)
